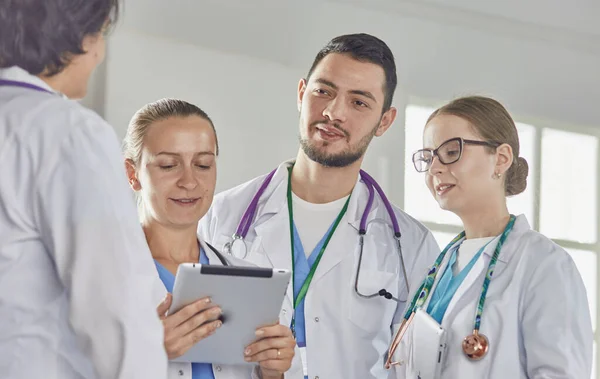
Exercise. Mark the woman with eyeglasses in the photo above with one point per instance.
(501, 300)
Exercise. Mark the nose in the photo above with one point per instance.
(187, 179)
(436, 166)
(336, 110)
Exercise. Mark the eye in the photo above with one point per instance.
(361, 103)
(321, 91)
(166, 167)
(452, 153)
(203, 167)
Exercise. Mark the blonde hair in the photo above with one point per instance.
(492, 122)
(152, 113)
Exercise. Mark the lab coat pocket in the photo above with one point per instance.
(372, 314)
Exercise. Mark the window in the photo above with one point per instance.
(563, 172)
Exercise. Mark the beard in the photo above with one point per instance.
(345, 158)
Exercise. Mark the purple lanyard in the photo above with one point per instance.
(248, 217)
(13, 83)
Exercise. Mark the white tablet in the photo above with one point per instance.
(429, 345)
(250, 297)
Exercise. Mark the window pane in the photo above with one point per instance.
(586, 262)
(418, 201)
(569, 186)
(523, 203)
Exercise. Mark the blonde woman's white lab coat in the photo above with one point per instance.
(347, 336)
(183, 370)
(74, 264)
(536, 314)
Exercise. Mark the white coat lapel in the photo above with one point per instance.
(474, 278)
(344, 240)
(272, 229)
(274, 236)
(213, 259)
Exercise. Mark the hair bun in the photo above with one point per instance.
(516, 179)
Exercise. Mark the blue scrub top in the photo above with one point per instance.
(448, 284)
(199, 370)
(302, 267)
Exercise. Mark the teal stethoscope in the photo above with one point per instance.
(237, 246)
(476, 345)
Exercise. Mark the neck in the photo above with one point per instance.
(64, 82)
(172, 245)
(486, 221)
(318, 184)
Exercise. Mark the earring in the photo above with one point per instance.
(497, 175)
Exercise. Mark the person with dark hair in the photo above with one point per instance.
(510, 302)
(319, 213)
(171, 150)
(74, 264)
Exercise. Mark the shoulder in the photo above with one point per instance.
(410, 227)
(238, 193)
(537, 248)
(538, 253)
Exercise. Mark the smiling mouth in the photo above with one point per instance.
(186, 201)
(442, 189)
(330, 132)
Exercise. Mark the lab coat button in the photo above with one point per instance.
(284, 311)
(180, 372)
(316, 320)
(218, 368)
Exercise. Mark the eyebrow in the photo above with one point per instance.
(354, 91)
(201, 153)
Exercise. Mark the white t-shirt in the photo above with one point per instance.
(467, 250)
(313, 220)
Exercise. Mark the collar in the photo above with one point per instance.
(521, 226)
(19, 75)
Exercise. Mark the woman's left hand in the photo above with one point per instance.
(273, 350)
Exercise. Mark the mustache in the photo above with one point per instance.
(327, 123)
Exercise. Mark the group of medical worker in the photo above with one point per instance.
(85, 276)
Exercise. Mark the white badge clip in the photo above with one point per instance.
(304, 361)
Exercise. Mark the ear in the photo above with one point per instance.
(504, 158)
(134, 183)
(387, 119)
(301, 90)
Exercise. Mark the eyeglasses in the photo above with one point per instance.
(448, 152)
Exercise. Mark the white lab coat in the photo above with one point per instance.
(536, 315)
(74, 264)
(347, 336)
(183, 370)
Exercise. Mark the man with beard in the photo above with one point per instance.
(306, 216)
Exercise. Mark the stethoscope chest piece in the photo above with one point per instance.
(237, 247)
(475, 346)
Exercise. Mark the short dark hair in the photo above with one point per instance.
(42, 36)
(365, 48)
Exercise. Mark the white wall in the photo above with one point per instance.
(246, 78)
(251, 102)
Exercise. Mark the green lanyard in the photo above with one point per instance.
(311, 273)
(423, 293)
